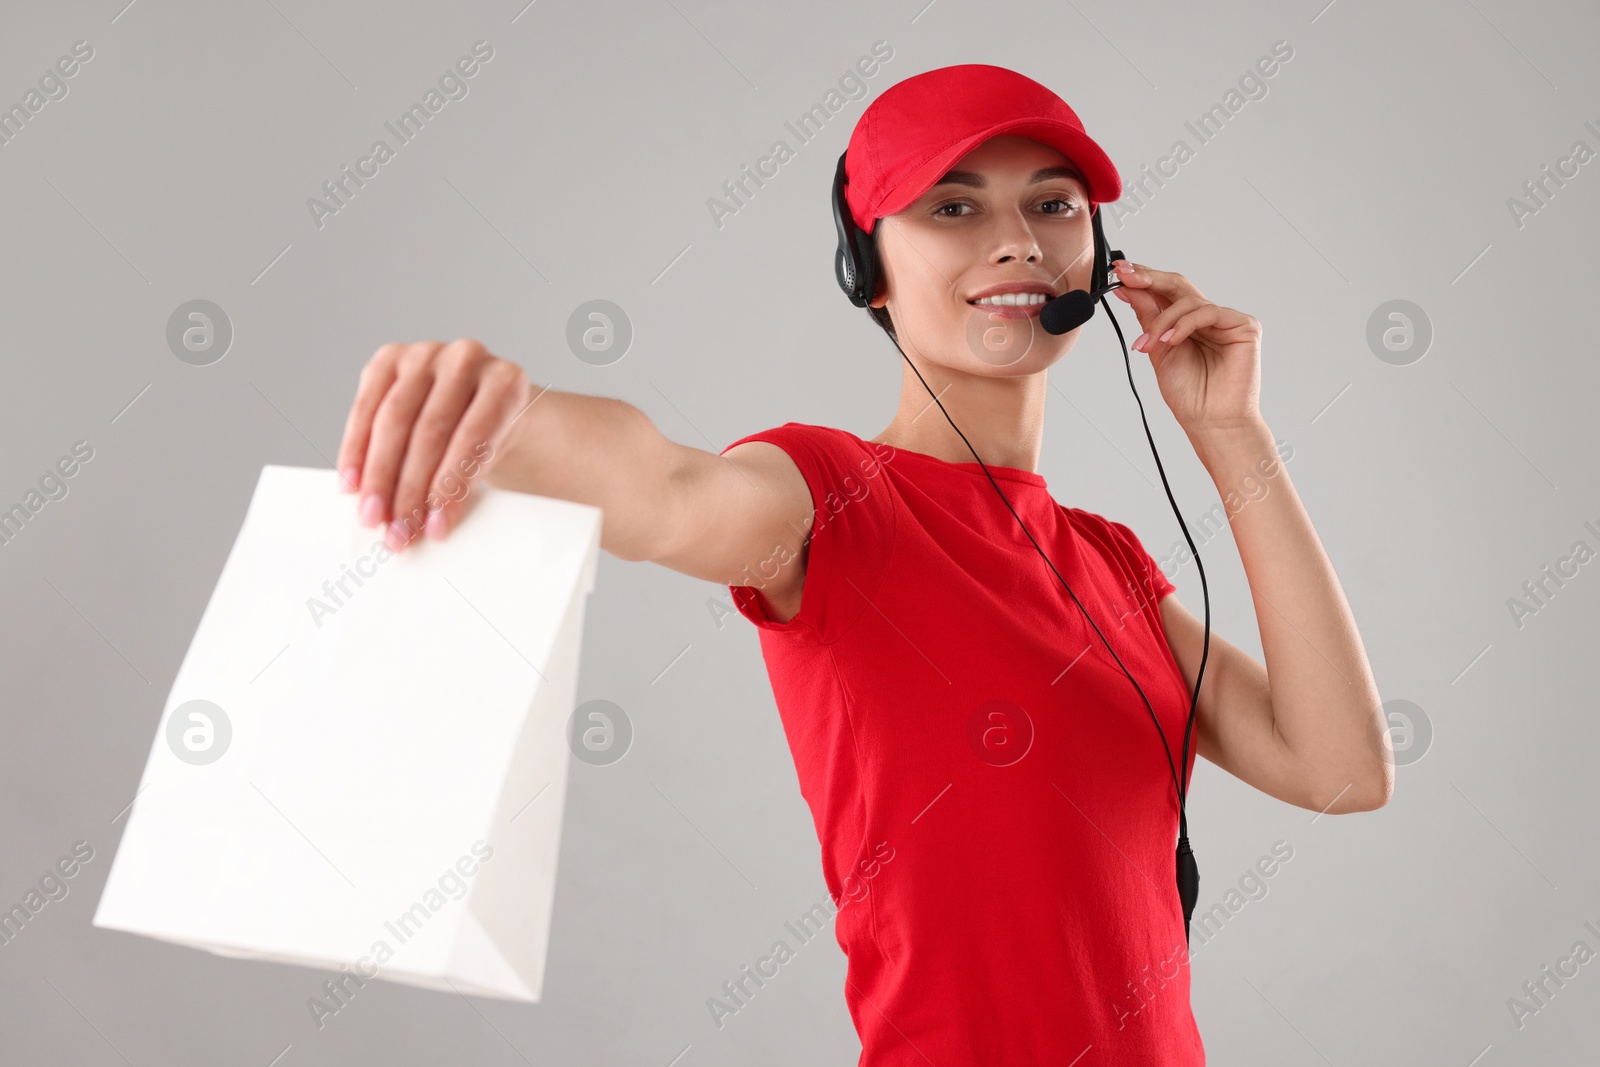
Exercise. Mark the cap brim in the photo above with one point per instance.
(1105, 184)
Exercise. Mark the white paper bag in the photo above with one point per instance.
(383, 784)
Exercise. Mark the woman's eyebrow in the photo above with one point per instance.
(977, 181)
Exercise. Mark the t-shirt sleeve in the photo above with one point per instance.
(1153, 582)
(850, 539)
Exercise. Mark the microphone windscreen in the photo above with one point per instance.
(1066, 312)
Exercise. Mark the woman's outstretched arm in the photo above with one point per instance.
(430, 419)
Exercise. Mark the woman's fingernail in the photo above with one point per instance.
(371, 509)
(1139, 344)
(436, 524)
(349, 480)
(394, 537)
(1168, 335)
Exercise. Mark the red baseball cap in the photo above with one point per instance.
(917, 129)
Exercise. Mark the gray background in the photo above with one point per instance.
(1377, 167)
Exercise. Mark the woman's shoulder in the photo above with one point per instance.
(1083, 517)
(830, 441)
(1105, 530)
(1116, 540)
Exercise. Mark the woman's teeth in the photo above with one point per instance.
(1013, 299)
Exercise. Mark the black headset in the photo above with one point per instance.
(857, 269)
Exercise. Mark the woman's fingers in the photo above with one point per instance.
(391, 430)
(376, 377)
(1135, 291)
(1164, 283)
(501, 396)
(456, 369)
(425, 424)
(1159, 323)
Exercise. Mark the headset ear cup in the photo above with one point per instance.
(849, 264)
(845, 271)
(866, 263)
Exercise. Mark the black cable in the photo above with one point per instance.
(1188, 873)
(1205, 589)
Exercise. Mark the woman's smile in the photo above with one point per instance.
(1010, 311)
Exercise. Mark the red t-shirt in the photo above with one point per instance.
(996, 812)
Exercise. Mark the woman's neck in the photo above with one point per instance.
(1003, 418)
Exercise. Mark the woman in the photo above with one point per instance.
(996, 818)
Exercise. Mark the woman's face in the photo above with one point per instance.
(1011, 210)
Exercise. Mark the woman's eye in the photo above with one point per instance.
(952, 210)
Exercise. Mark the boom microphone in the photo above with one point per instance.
(1071, 310)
